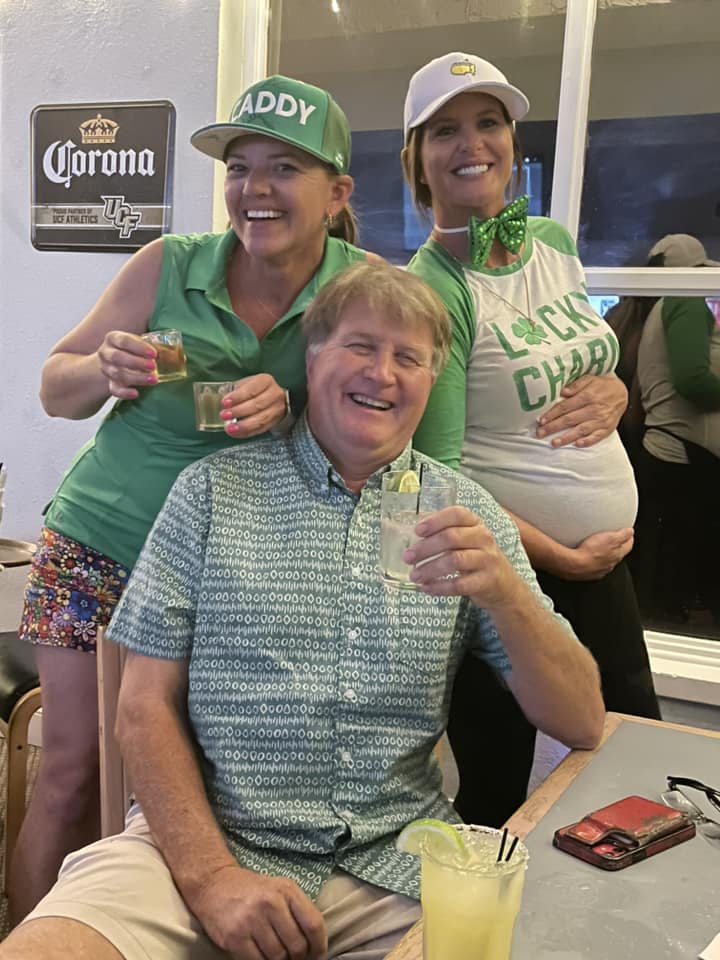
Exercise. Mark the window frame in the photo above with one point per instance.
(568, 173)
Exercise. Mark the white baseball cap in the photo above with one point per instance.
(445, 77)
(682, 250)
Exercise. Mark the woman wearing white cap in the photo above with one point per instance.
(525, 336)
(237, 298)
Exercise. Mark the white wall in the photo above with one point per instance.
(79, 51)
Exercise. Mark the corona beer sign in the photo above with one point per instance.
(102, 174)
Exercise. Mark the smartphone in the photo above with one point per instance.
(624, 832)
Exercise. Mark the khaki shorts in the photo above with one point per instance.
(121, 888)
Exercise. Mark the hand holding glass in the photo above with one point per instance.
(208, 396)
(403, 505)
(170, 360)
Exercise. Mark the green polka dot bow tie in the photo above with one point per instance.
(508, 226)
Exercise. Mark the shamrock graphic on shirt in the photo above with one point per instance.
(531, 333)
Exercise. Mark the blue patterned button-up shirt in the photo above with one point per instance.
(316, 693)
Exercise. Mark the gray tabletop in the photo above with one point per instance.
(664, 908)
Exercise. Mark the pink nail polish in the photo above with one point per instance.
(152, 379)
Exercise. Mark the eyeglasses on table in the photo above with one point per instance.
(677, 799)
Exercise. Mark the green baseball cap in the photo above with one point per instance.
(289, 110)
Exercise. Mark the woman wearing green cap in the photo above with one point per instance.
(524, 337)
(237, 299)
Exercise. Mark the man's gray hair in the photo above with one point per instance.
(403, 298)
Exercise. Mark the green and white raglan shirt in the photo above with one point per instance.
(506, 370)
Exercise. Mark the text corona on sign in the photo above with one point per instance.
(63, 161)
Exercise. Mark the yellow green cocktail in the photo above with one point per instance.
(469, 899)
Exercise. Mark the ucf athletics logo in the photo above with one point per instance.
(121, 215)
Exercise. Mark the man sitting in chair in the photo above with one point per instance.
(280, 704)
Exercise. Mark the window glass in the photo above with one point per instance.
(651, 166)
(670, 362)
(365, 51)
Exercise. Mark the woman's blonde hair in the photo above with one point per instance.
(403, 298)
(344, 225)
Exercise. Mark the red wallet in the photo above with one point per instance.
(624, 832)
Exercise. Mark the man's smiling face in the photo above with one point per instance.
(368, 385)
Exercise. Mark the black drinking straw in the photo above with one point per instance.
(511, 851)
(417, 502)
(502, 845)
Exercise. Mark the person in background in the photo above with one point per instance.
(277, 717)
(237, 298)
(678, 373)
(524, 335)
(627, 319)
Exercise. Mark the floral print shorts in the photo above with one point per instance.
(71, 591)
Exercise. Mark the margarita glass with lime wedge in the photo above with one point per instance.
(405, 501)
(469, 900)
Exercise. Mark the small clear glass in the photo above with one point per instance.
(170, 360)
(208, 396)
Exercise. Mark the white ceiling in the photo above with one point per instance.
(652, 57)
(368, 34)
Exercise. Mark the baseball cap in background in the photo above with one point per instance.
(682, 250)
(289, 110)
(445, 77)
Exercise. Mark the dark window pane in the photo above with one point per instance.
(652, 159)
(672, 434)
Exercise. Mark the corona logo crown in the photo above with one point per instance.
(98, 130)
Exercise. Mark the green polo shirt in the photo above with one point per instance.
(113, 490)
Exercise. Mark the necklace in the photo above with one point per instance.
(525, 314)
(438, 229)
(256, 314)
(268, 310)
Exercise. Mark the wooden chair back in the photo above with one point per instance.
(114, 785)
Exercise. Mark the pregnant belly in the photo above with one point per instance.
(568, 493)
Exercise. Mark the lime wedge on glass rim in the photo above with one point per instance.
(406, 482)
(441, 836)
